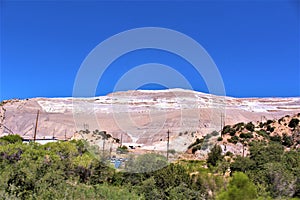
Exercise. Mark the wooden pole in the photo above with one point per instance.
(36, 125)
(110, 150)
(121, 139)
(221, 123)
(168, 143)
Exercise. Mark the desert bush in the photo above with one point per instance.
(294, 123)
(215, 133)
(229, 153)
(270, 128)
(233, 139)
(239, 126)
(226, 129)
(263, 133)
(208, 136)
(276, 138)
(198, 141)
(205, 145)
(280, 120)
(250, 126)
(196, 148)
(12, 139)
(214, 155)
(240, 187)
(246, 135)
(172, 151)
(122, 149)
(261, 125)
(232, 132)
(287, 140)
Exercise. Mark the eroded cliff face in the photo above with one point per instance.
(2, 116)
(141, 117)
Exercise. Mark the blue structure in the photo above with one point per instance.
(118, 163)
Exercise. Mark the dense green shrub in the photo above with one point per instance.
(246, 135)
(205, 145)
(239, 126)
(232, 132)
(240, 187)
(287, 140)
(294, 123)
(280, 120)
(270, 128)
(215, 133)
(228, 153)
(67, 170)
(214, 155)
(276, 138)
(233, 139)
(250, 126)
(263, 133)
(122, 149)
(226, 129)
(198, 141)
(261, 125)
(12, 139)
(172, 151)
(208, 136)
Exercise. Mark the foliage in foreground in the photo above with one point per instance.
(66, 170)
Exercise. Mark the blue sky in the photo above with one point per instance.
(255, 44)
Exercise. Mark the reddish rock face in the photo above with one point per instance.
(141, 117)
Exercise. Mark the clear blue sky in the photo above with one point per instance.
(255, 44)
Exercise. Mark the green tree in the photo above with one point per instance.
(171, 176)
(242, 164)
(214, 155)
(240, 188)
(150, 190)
(250, 126)
(294, 123)
(146, 163)
(183, 192)
(12, 139)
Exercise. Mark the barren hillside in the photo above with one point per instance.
(141, 117)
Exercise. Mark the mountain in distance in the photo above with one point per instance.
(140, 117)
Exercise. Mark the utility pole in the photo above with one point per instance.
(222, 122)
(168, 142)
(85, 126)
(121, 139)
(36, 125)
(103, 147)
(65, 135)
(110, 150)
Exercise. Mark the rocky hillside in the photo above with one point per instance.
(237, 138)
(141, 118)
